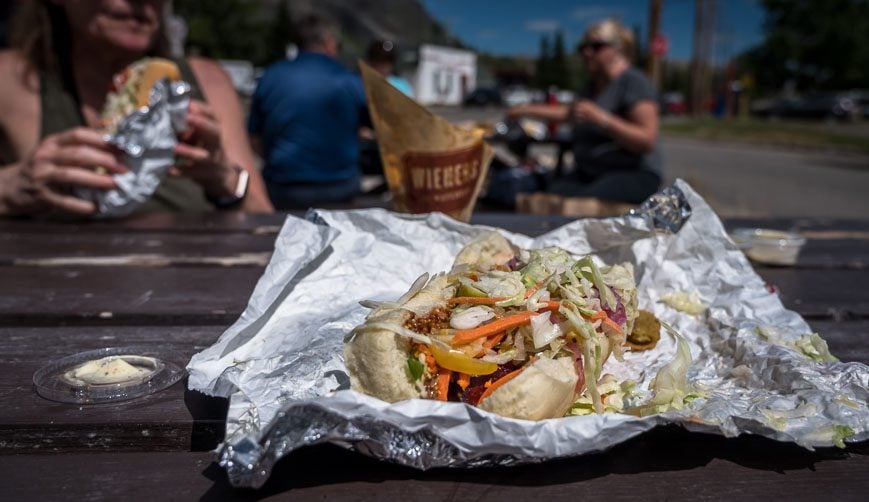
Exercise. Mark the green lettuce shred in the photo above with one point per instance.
(670, 385)
(415, 367)
(812, 345)
(840, 433)
(606, 295)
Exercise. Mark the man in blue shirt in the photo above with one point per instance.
(305, 118)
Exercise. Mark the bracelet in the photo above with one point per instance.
(238, 194)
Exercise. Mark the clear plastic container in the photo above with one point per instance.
(770, 247)
(108, 375)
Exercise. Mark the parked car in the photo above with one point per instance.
(821, 105)
(861, 98)
(518, 95)
(771, 107)
(672, 103)
(565, 96)
(484, 96)
(242, 73)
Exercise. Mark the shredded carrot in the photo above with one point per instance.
(491, 342)
(605, 320)
(443, 384)
(551, 305)
(464, 380)
(600, 314)
(534, 289)
(495, 340)
(429, 357)
(464, 336)
(499, 382)
(613, 325)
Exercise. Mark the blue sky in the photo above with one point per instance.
(514, 27)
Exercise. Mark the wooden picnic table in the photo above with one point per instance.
(178, 281)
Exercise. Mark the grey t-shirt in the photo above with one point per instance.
(595, 151)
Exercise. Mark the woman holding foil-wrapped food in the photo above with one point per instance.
(615, 122)
(55, 96)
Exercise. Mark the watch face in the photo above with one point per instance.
(238, 194)
(241, 187)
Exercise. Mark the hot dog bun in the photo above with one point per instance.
(377, 359)
(414, 349)
(544, 389)
(131, 88)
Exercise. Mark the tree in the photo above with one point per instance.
(560, 70)
(226, 29)
(281, 33)
(815, 45)
(543, 66)
(641, 50)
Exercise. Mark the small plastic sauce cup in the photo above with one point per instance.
(770, 247)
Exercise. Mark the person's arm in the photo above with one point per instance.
(637, 134)
(256, 143)
(222, 121)
(40, 175)
(59, 163)
(556, 113)
(256, 119)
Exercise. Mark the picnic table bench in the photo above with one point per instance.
(178, 281)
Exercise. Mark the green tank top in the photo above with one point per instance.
(60, 111)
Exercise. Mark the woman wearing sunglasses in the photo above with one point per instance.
(614, 119)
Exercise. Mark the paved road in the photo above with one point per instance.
(743, 180)
(747, 180)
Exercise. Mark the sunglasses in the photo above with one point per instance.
(595, 46)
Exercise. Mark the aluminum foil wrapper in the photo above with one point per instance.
(281, 363)
(147, 137)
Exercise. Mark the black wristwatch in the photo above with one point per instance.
(238, 194)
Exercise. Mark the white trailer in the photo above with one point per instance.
(444, 76)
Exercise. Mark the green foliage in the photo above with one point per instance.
(641, 54)
(280, 34)
(675, 76)
(790, 134)
(543, 65)
(816, 45)
(553, 66)
(233, 29)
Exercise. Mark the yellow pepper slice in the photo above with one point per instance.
(470, 291)
(458, 361)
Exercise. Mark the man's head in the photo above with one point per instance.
(319, 34)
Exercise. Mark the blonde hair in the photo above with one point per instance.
(615, 33)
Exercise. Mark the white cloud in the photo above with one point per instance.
(545, 25)
(488, 34)
(594, 13)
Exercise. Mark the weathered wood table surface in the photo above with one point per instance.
(178, 281)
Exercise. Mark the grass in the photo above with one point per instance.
(817, 135)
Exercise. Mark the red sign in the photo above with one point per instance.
(660, 45)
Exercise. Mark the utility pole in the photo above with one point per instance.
(701, 71)
(654, 63)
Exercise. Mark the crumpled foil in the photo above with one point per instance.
(281, 363)
(147, 138)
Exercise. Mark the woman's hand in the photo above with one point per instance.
(588, 111)
(77, 158)
(200, 153)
